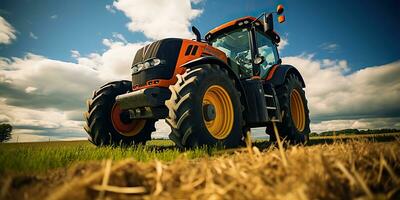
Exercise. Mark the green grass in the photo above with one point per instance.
(39, 157)
(42, 156)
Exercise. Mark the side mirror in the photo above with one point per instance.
(279, 9)
(268, 23)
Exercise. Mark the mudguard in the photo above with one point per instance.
(212, 60)
(278, 75)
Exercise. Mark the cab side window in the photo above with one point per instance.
(268, 50)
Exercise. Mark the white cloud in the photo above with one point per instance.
(7, 32)
(48, 96)
(120, 37)
(75, 54)
(27, 135)
(284, 42)
(41, 123)
(4, 64)
(335, 94)
(330, 47)
(196, 1)
(159, 19)
(33, 36)
(113, 64)
(110, 8)
(367, 123)
(57, 84)
(30, 89)
(54, 17)
(4, 118)
(162, 130)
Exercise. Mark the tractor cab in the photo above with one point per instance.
(249, 44)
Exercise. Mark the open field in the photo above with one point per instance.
(380, 136)
(344, 169)
(38, 157)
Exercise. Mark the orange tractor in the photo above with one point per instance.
(210, 91)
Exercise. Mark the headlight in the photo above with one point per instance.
(156, 62)
(147, 64)
(135, 69)
(140, 66)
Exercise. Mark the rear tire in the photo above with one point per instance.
(99, 124)
(295, 125)
(192, 94)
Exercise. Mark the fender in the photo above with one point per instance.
(212, 60)
(232, 74)
(278, 73)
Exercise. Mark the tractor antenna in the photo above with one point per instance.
(197, 33)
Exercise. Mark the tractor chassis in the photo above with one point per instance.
(147, 103)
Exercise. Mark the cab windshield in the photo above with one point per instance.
(235, 45)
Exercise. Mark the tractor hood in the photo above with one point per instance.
(156, 61)
(166, 50)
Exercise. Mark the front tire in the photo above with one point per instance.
(205, 109)
(105, 122)
(295, 125)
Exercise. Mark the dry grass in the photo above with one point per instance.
(343, 170)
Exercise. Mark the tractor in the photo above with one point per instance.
(210, 91)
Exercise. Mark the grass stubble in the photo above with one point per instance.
(356, 169)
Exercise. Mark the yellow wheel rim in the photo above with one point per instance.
(297, 110)
(222, 124)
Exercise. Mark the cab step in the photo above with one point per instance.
(271, 99)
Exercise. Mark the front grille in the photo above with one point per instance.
(157, 72)
(167, 50)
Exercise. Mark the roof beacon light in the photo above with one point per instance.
(281, 18)
(279, 9)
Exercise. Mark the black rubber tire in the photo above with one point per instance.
(98, 117)
(185, 108)
(286, 129)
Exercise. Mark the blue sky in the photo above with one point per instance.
(347, 51)
(363, 32)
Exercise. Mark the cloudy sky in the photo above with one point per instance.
(53, 55)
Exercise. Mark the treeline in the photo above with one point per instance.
(5, 132)
(355, 132)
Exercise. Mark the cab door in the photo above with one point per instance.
(268, 50)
